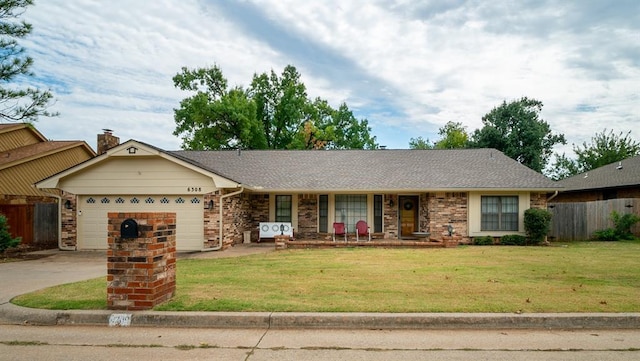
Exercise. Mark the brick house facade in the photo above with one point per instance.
(220, 196)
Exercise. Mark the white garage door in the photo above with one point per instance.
(92, 217)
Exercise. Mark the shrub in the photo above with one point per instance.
(621, 228)
(483, 241)
(6, 241)
(623, 224)
(606, 235)
(537, 223)
(513, 240)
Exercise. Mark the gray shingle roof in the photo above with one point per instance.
(370, 170)
(608, 176)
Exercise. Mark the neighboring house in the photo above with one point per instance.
(219, 195)
(612, 181)
(26, 157)
(587, 200)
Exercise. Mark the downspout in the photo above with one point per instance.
(220, 206)
(61, 246)
(552, 197)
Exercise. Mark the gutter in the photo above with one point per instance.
(220, 206)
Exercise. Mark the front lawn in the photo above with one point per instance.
(578, 277)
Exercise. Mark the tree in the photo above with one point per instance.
(6, 240)
(215, 117)
(281, 102)
(605, 148)
(454, 135)
(274, 113)
(516, 129)
(24, 104)
(420, 143)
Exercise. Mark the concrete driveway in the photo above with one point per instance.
(57, 267)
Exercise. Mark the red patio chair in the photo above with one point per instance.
(362, 229)
(339, 230)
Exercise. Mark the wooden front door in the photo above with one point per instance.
(408, 215)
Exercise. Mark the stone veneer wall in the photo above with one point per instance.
(259, 213)
(448, 208)
(69, 219)
(236, 215)
(390, 216)
(307, 216)
(141, 272)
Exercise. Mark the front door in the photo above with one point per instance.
(408, 215)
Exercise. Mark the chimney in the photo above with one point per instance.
(107, 141)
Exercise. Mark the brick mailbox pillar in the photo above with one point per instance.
(141, 260)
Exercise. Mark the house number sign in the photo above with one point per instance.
(194, 189)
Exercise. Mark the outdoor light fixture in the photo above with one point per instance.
(391, 202)
(209, 205)
(67, 204)
(450, 229)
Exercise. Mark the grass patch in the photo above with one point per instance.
(577, 277)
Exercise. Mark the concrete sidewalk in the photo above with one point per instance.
(59, 267)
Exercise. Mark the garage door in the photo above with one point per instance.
(92, 217)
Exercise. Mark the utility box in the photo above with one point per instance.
(247, 237)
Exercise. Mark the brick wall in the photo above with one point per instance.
(259, 213)
(448, 208)
(390, 216)
(538, 200)
(141, 272)
(68, 217)
(307, 216)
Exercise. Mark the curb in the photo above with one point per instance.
(16, 315)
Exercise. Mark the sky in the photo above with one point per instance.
(408, 67)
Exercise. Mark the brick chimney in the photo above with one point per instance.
(107, 141)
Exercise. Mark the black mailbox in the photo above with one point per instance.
(129, 229)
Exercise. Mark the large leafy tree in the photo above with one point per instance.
(517, 130)
(281, 102)
(273, 113)
(605, 148)
(24, 104)
(215, 117)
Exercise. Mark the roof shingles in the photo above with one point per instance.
(370, 170)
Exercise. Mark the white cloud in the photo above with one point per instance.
(408, 67)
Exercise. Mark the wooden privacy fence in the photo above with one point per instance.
(578, 221)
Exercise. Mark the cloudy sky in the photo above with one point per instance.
(406, 66)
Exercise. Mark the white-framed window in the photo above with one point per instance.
(350, 208)
(499, 213)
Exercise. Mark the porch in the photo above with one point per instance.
(285, 242)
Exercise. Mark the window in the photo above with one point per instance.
(351, 208)
(323, 213)
(499, 213)
(283, 208)
(377, 213)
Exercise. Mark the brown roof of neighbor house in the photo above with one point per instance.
(27, 157)
(618, 174)
(370, 170)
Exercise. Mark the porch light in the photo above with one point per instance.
(209, 205)
(67, 204)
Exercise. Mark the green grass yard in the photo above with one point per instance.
(576, 277)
